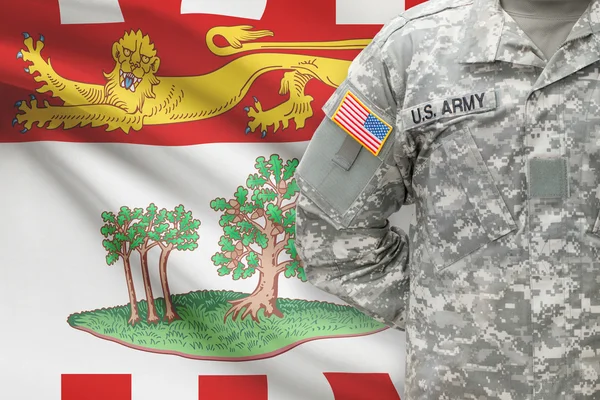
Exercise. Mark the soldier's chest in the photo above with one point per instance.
(487, 145)
(505, 118)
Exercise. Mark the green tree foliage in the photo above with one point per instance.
(259, 226)
(122, 236)
(177, 228)
(121, 233)
(139, 229)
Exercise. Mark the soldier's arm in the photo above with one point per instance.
(347, 194)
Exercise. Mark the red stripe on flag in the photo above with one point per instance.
(357, 106)
(230, 387)
(351, 123)
(351, 119)
(411, 3)
(95, 387)
(351, 115)
(361, 113)
(358, 132)
(360, 136)
(355, 386)
(360, 118)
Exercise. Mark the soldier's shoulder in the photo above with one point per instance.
(429, 10)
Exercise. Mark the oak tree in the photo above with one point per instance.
(258, 235)
(173, 230)
(122, 237)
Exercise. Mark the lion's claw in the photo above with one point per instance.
(256, 115)
(279, 117)
(32, 53)
(27, 114)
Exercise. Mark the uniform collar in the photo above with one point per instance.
(588, 23)
(482, 32)
(488, 36)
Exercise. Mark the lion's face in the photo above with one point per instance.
(137, 61)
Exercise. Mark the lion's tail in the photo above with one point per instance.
(236, 36)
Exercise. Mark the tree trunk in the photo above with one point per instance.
(170, 313)
(134, 317)
(152, 318)
(265, 295)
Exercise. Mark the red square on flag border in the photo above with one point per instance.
(351, 115)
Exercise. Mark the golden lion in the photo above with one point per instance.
(134, 95)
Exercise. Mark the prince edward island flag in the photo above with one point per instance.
(147, 159)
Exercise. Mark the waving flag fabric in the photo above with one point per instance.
(147, 192)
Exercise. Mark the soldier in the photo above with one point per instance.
(486, 116)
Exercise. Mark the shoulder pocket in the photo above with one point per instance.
(464, 209)
(336, 190)
(336, 174)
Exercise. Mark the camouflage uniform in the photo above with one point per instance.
(497, 285)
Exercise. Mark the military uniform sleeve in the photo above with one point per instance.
(343, 235)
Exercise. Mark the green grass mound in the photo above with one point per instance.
(202, 333)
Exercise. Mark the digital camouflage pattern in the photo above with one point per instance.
(498, 284)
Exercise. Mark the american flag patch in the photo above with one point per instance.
(361, 123)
